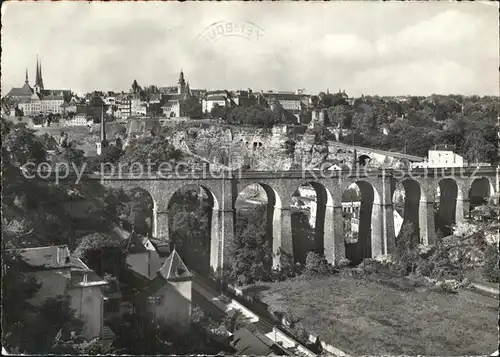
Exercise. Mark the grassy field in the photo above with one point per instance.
(361, 316)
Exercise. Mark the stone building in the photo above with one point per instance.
(176, 105)
(38, 100)
(163, 284)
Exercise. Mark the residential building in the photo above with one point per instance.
(222, 98)
(154, 105)
(124, 106)
(164, 285)
(289, 101)
(62, 274)
(138, 104)
(168, 295)
(243, 98)
(198, 93)
(352, 207)
(80, 119)
(441, 156)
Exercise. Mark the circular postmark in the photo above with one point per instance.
(221, 29)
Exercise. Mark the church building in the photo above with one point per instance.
(38, 100)
(176, 105)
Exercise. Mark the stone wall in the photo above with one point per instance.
(260, 148)
(278, 148)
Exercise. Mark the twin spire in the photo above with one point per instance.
(38, 78)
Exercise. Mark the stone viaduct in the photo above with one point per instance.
(376, 235)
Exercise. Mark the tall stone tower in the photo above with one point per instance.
(181, 85)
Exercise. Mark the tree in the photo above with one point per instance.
(491, 270)
(17, 289)
(49, 328)
(251, 254)
(477, 148)
(55, 324)
(20, 145)
(157, 149)
(340, 115)
(405, 254)
(190, 228)
(32, 210)
(102, 253)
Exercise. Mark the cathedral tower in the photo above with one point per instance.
(181, 85)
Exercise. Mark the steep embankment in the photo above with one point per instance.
(279, 148)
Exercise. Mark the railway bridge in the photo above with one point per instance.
(422, 207)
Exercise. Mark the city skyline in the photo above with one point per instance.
(364, 48)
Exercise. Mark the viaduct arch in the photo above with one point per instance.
(377, 188)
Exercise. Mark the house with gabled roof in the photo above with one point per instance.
(167, 296)
(59, 273)
(142, 257)
(158, 288)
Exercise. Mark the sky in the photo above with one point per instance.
(371, 48)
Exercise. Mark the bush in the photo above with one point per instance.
(286, 269)
(448, 287)
(316, 264)
(491, 270)
(344, 263)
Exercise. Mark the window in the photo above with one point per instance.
(156, 300)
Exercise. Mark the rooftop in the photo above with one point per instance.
(24, 91)
(133, 244)
(216, 97)
(174, 268)
(51, 257)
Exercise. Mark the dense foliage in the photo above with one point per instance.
(33, 211)
(156, 148)
(49, 327)
(491, 269)
(250, 257)
(137, 336)
(190, 228)
(415, 124)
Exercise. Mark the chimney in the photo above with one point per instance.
(62, 255)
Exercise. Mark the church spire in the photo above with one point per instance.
(38, 77)
(26, 79)
(41, 78)
(37, 74)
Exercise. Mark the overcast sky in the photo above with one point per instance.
(389, 48)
